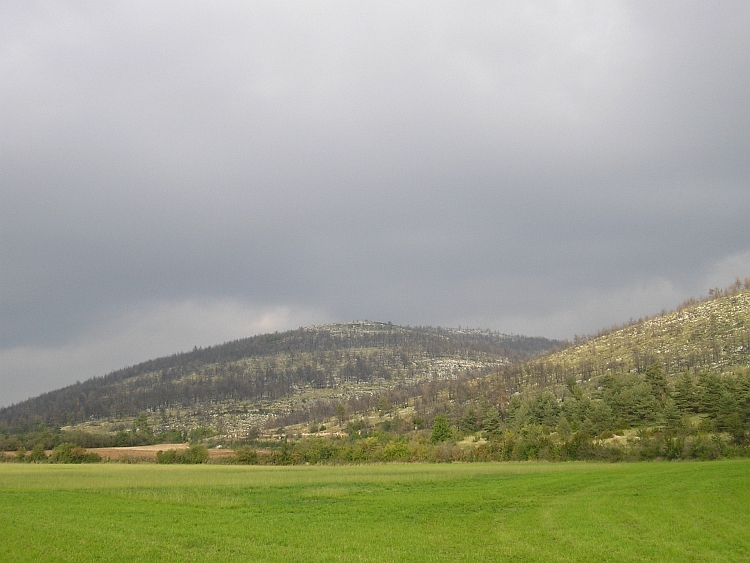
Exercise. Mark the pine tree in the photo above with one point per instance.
(469, 421)
(490, 420)
(686, 393)
(441, 430)
(655, 377)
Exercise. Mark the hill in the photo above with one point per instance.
(241, 384)
(711, 335)
(677, 385)
(674, 386)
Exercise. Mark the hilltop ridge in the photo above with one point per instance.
(246, 381)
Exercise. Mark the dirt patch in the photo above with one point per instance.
(148, 453)
(141, 453)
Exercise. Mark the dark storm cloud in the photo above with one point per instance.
(540, 167)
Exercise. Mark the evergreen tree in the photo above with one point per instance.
(600, 418)
(710, 393)
(490, 420)
(546, 410)
(441, 430)
(563, 427)
(686, 393)
(469, 421)
(672, 415)
(341, 414)
(655, 377)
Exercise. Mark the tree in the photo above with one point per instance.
(600, 417)
(563, 427)
(383, 404)
(490, 420)
(341, 414)
(655, 377)
(441, 430)
(728, 418)
(711, 393)
(686, 393)
(546, 410)
(672, 415)
(469, 421)
(141, 425)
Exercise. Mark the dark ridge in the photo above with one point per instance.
(216, 373)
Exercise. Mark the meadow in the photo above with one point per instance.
(680, 511)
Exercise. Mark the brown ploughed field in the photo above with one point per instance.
(148, 453)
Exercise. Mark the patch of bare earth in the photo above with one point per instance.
(148, 453)
(141, 453)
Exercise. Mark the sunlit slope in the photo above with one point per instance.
(711, 335)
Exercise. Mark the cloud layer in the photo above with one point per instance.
(180, 174)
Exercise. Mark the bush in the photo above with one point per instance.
(37, 454)
(283, 456)
(579, 446)
(705, 449)
(674, 448)
(192, 455)
(246, 455)
(72, 453)
(396, 451)
(172, 437)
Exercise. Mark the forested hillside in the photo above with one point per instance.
(250, 379)
(673, 386)
(677, 385)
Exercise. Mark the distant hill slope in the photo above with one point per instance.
(260, 375)
(710, 335)
(674, 386)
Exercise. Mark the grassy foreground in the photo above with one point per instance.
(478, 512)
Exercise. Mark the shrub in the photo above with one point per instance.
(201, 433)
(172, 436)
(396, 451)
(674, 448)
(194, 454)
(704, 449)
(72, 453)
(246, 455)
(283, 456)
(37, 454)
(579, 446)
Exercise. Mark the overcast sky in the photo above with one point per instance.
(185, 173)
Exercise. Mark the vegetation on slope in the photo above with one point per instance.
(675, 386)
(713, 335)
(671, 387)
(246, 381)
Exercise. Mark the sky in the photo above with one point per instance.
(180, 174)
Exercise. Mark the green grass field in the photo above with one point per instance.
(474, 512)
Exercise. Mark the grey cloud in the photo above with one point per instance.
(545, 164)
